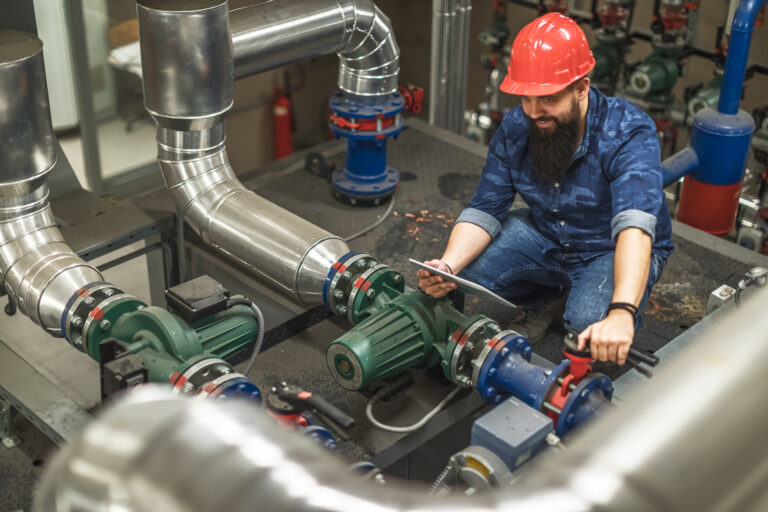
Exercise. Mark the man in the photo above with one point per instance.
(596, 235)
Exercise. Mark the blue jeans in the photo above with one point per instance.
(520, 265)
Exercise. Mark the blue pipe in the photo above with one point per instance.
(738, 51)
(678, 165)
(719, 141)
(526, 381)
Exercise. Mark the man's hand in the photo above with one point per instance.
(610, 338)
(433, 285)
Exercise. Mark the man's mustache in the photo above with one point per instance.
(543, 119)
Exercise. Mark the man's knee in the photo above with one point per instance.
(579, 319)
(581, 311)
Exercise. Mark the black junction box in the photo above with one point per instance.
(197, 299)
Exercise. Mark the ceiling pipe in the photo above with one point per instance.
(691, 438)
(190, 55)
(39, 271)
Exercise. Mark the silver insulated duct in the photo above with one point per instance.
(272, 34)
(189, 56)
(39, 271)
(691, 438)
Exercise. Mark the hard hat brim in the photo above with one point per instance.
(519, 88)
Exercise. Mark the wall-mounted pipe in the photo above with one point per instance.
(188, 62)
(691, 438)
(448, 63)
(39, 271)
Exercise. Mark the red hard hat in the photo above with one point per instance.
(548, 55)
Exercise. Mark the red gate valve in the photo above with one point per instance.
(580, 366)
(413, 97)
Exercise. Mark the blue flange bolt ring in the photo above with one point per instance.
(366, 176)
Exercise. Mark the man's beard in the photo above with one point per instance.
(552, 150)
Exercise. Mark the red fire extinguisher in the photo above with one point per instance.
(281, 122)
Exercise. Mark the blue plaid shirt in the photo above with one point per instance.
(614, 182)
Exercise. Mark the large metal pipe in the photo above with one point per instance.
(692, 438)
(272, 34)
(189, 60)
(738, 52)
(39, 271)
(286, 250)
(184, 87)
(448, 63)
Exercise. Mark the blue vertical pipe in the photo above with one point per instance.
(738, 51)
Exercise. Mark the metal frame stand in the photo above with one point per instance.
(7, 437)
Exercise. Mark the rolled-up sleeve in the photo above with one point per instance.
(637, 193)
(495, 192)
(482, 219)
(633, 219)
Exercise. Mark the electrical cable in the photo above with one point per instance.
(410, 428)
(315, 164)
(375, 224)
(259, 336)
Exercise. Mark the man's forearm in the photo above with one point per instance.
(631, 265)
(467, 242)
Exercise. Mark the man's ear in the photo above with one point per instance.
(582, 88)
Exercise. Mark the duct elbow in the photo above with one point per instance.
(38, 270)
(285, 250)
(370, 58)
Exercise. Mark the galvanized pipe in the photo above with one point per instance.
(272, 34)
(188, 61)
(39, 271)
(692, 438)
(448, 63)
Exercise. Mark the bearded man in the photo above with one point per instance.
(596, 234)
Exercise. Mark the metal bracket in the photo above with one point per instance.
(6, 426)
(719, 297)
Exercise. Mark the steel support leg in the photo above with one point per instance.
(6, 426)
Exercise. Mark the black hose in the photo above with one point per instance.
(238, 301)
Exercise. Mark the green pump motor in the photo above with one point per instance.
(657, 75)
(397, 329)
(188, 347)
